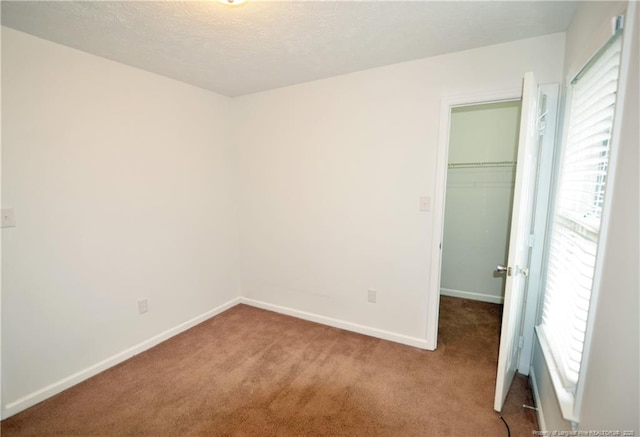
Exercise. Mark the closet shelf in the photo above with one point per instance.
(484, 164)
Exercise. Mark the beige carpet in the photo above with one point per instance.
(250, 372)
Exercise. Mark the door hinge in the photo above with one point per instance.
(520, 342)
(541, 124)
(532, 240)
(542, 127)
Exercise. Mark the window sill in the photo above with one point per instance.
(566, 399)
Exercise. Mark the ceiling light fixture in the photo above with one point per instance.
(232, 3)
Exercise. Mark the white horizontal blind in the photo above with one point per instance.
(578, 211)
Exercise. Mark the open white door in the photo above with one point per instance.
(518, 258)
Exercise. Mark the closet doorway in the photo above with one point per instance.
(483, 142)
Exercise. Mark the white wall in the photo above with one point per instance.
(479, 200)
(611, 387)
(331, 175)
(123, 184)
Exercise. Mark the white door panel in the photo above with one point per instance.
(518, 257)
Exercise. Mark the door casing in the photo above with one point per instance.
(449, 102)
(541, 202)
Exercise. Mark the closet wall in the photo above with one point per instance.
(480, 178)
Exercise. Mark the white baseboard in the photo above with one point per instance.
(542, 426)
(44, 393)
(471, 295)
(347, 326)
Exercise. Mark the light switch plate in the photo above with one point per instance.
(371, 295)
(8, 218)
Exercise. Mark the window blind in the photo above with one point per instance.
(578, 210)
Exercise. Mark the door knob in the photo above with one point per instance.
(501, 268)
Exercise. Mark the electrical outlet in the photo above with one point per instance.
(425, 203)
(371, 297)
(8, 218)
(143, 306)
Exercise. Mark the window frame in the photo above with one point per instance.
(570, 401)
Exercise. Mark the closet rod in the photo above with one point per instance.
(482, 164)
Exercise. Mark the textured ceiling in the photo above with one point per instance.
(264, 45)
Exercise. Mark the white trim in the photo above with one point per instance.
(347, 326)
(46, 392)
(448, 102)
(57, 387)
(472, 295)
(1, 382)
(542, 201)
(542, 424)
(566, 400)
